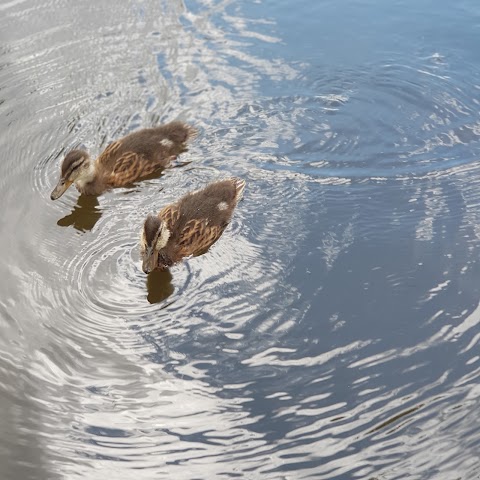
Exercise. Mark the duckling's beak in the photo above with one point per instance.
(149, 260)
(60, 189)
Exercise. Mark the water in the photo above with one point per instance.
(332, 332)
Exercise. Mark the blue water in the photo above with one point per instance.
(333, 331)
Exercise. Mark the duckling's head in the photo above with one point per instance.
(155, 235)
(76, 167)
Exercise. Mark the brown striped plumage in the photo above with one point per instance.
(189, 226)
(124, 161)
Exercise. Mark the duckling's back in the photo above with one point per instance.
(215, 202)
(198, 219)
(158, 142)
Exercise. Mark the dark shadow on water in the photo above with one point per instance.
(84, 216)
(159, 286)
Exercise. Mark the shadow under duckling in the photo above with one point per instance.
(159, 286)
(133, 157)
(190, 226)
(84, 215)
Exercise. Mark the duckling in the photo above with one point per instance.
(124, 161)
(190, 226)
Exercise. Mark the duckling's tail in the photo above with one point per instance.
(239, 184)
(179, 132)
(192, 133)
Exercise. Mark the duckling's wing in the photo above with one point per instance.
(170, 215)
(197, 236)
(131, 166)
(107, 157)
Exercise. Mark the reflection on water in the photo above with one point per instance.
(159, 286)
(84, 215)
(332, 332)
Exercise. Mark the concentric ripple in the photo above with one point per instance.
(354, 124)
(332, 332)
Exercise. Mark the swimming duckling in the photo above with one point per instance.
(124, 161)
(189, 226)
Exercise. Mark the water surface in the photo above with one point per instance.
(333, 331)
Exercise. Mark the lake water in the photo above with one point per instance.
(333, 331)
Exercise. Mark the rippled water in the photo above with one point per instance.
(333, 331)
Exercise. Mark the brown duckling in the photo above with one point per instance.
(189, 226)
(124, 161)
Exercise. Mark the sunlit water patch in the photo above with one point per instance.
(331, 332)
